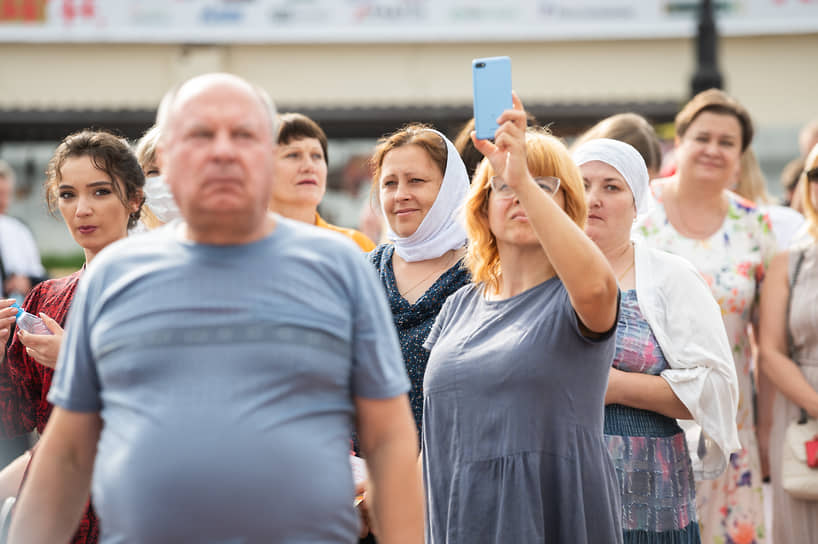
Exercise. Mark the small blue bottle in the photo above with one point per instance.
(29, 322)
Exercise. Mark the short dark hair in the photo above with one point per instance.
(108, 152)
(297, 126)
(715, 101)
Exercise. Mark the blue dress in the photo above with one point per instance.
(414, 321)
(513, 449)
(648, 449)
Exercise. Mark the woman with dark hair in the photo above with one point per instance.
(95, 182)
(730, 242)
(301, 175)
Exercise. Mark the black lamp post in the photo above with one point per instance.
(707, 73)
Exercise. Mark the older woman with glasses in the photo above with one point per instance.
(672, 358)
(513, 396)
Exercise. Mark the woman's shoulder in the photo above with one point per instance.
(381, 254)
(56, 285)
(361, 239)
(465, 294)
(51, 292)
(748, 214)
(667, 272)
(743, 207)
(664, 259)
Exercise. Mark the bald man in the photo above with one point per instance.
(215, 368)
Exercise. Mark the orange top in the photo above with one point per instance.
(358, 237)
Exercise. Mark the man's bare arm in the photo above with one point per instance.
(389, 442)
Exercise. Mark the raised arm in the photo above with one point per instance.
(774, 358)
(388, 439)
(56, 491)
(581, 266)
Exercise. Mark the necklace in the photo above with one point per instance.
(619, 279)
(628, 269)
(427, 276)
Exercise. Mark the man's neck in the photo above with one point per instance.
(220, 234)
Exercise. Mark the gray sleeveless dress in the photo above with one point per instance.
(796, 520)
(513, 449)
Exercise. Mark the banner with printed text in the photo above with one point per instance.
(368, 21)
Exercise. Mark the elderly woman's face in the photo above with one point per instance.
(611, 208)
(300, 173)
(710, 149)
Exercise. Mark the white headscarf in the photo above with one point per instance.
(441, 230)
(627, 161)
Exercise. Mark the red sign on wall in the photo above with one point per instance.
(23, 11)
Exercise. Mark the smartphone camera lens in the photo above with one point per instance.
(480, 65)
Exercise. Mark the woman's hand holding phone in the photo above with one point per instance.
(507, 153)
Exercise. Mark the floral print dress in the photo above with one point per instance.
(733, 261)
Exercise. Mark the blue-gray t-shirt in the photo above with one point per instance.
(225, 377)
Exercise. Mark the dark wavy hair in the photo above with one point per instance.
(109, 153)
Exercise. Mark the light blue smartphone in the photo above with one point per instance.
(492, 93)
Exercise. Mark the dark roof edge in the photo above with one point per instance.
(338, 122)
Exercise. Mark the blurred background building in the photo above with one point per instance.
(362, 68)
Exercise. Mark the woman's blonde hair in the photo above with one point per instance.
(146, 155)
(546, 155)
(751, 183)
(810, 206)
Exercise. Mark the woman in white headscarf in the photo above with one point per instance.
(672, 360)
(421, 183)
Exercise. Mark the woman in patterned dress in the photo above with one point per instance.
(95, 182)
(730, 242)
(672, 357)
(793, 371)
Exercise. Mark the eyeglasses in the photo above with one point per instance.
(812, 175)
(549, 184)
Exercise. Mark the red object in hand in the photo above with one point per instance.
(812, 452)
